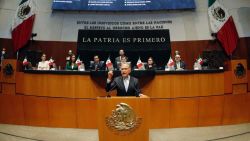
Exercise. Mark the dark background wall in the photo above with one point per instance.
(189, 50)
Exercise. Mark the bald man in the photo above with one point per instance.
(125, 84)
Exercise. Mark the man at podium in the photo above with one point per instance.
(125, 84)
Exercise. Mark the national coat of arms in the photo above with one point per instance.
(240, 71)
(23, 11)
(123, 119)
(219, 14)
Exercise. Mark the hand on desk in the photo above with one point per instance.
(142, 96)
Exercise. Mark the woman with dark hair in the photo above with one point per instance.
(150, 64)
(43, 64)
(71, 65)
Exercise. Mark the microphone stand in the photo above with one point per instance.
(112, 88)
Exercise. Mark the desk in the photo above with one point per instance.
(177, 99)
(86, 84)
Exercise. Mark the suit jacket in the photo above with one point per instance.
(98, 66)
(152, 68)
(118, 59)
(69, 67)
(118, 84)
(182, 65)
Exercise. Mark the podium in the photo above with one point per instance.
(8, 75)
(123, 118)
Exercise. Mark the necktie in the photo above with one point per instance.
(126, 83)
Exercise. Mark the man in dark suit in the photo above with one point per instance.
(121, 58)
(125, 84)
(96, 64)
(179, 64)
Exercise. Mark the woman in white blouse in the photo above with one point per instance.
(43, 65)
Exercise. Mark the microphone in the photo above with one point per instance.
(111, 89)
(137, 91)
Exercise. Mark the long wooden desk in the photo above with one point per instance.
(86, 85)
(176, 100)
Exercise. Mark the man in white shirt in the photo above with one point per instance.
(179, 64)
(125, 84)
(43, 65)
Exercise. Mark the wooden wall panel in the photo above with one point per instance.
(159, 87)
(36, 111)
(248, 102)
(62, 112)
(160, 113)
(11, 109)
(86, 113)
(228, 89)
(248, 80)
(184, 112)
(235, 109)
(72, 86)
(239, 88)
(9, 88)
(184, 86)
(211, 110)
(210, 84)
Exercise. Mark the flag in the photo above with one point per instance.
(222, 24)
(25, 61)
(23, 23)
(78, 61)
(140, 65)
(51, 61)
(170, 63)
(200, 60)
(109, 64)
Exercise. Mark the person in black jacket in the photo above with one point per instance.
(96, 64)
(125, 84)
(150, 64)
(179, 64)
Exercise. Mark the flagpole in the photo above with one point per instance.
(17, 55)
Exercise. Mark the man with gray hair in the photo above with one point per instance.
(125, 84)
(179, 64)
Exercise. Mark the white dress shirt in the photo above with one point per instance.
(178, 65)
(43, 65)
(126, 82)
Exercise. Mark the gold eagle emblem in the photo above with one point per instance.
(123, 119)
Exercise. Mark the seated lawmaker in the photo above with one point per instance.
(150, 64)
(71, 65)
(118, 64)
(120, 58)
(179, 64)
(43, 64)
(96, 64)
(125, 84)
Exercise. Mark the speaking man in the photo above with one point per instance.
(125, 84)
